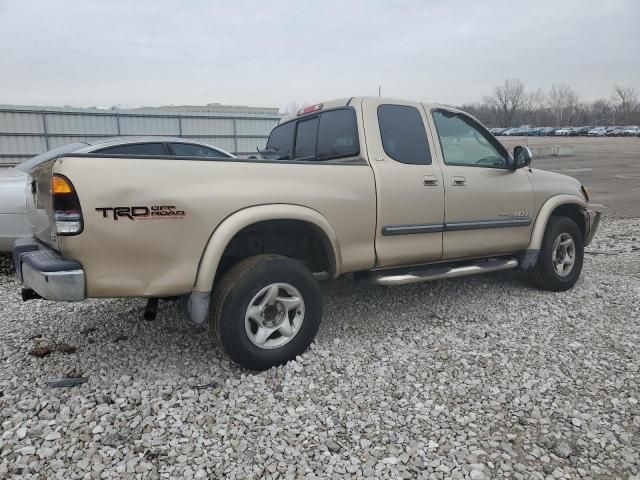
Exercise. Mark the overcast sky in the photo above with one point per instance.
(259, 53)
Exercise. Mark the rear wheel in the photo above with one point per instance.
(561, 254)
(266, 311)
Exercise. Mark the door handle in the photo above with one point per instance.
(457, 181)
(430, 181)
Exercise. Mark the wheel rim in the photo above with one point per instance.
(564, 254)
(274, 316)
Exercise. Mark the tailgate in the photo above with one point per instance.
(41, 215)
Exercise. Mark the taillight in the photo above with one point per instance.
(66, 206)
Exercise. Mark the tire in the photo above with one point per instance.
(545, 274)
(243, 334)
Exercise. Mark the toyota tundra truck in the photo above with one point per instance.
(394, 192)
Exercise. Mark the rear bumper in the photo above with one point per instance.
(592, 218)
(44, 271)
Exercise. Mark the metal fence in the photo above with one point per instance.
(25, 133)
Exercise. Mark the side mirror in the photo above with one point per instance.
(521, 157)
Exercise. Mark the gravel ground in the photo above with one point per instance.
(470, 378)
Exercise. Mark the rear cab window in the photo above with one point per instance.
(323, 136)
(306, 138)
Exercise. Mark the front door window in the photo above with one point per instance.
(465, 143)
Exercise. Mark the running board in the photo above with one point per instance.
(435, 272)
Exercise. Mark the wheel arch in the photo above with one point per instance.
(558, 205)
(235, 223)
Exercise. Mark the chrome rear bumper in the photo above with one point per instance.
(47, 273)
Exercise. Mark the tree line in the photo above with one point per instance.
(512, 105)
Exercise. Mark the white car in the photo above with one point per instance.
(631, 131)
(16, 200)
(597, 132)
(563, 132)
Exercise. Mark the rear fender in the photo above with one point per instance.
(223, 234)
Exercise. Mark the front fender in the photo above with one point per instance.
(545, 212)
(230, 226)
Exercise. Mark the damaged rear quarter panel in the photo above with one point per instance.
(159, 255)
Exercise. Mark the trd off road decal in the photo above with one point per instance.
(154, 212)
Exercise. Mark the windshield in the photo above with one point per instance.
(49, 155)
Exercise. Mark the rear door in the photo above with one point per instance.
(410, 195)
(488, 205)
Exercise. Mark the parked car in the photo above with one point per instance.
(497, 131)
(519, 131)
(615, 132)
(597, 132)
(631, 131)
(581, 131)
(546, 131)
(563, 132)
(15, 186)
(355, 185)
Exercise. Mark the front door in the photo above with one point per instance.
(488, 205)
(410, 194)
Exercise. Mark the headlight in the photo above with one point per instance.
(585, 192)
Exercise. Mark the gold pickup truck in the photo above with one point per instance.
(393, 191)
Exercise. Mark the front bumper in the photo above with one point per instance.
(44, 271)
(592, 220)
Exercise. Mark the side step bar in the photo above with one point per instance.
(439, 272)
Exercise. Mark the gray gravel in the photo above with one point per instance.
(471, 378)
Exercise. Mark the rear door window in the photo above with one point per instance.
(135, 149)
(403, 135)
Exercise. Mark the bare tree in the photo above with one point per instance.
(601, 111)
(573, 101)
(506, 100)
(533, 106)
(561, 106)
(626, 101)
(562, 100)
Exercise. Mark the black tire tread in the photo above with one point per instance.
(233, 286)
(224, 288)
(540, 275)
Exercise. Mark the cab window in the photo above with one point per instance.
(281, 140)
(306, 138)
(403, 135)
(338, 134)
(465, 142)
(323, 136)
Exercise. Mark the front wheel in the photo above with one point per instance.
(266, 311)
(560, 260)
